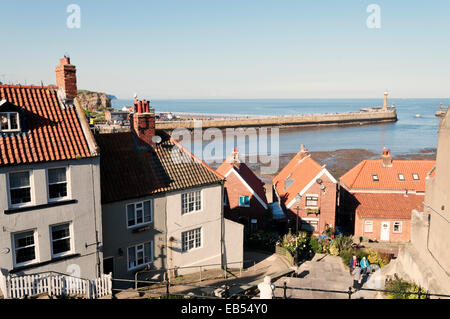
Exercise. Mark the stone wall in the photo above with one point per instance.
(299, 120)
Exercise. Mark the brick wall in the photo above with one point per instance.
(326, 203)
(404, 236)
(234, 188)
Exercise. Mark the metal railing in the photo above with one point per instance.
(201, 268)
(224, 291)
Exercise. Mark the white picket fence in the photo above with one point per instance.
(55, 284)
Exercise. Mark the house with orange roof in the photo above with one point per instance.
(245, 196)
(377, 197)
(306, 189)
(50, 209)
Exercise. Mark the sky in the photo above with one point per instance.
(192, 49)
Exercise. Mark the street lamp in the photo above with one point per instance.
(298, 198)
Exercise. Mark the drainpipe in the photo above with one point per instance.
(95, 224)
(222, 243)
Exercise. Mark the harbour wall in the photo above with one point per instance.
(358, 118)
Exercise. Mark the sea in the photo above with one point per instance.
(415, 131)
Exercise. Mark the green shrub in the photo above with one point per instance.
(401, 285)
(378, 258)
(343, 243)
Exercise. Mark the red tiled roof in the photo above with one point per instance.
(360, 176)
(49, 131)
(128, 171)
(247, 175)
(301, 170)
(386, 206)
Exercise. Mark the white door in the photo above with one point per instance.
(385, 229)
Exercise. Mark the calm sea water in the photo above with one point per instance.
(410, 134)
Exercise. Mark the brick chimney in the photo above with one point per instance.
(142, 121)
(386, 158)
(303, 151)
(66, 77)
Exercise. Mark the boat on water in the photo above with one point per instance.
(442, 110)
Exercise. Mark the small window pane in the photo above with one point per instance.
(57, 190)
(57, 175)
(147, 211)
(13, 121)
(131, 257)
(130, 214)
(21, 179)
(21, 195)
(3, 121)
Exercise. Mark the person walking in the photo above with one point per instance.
(356, 277)
(364, 266)
(353, 263)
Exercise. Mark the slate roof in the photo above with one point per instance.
(360, 176)
(49, 131)
(386, 206)
(129, 171)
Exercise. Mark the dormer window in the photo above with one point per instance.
(375, 177)
(9, 122)
(401, 177)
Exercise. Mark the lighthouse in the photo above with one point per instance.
(385, 101)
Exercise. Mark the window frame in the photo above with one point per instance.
(366, 223)
(31, 183)
(136, 253)
(18, 129)
(195, 201)
(68, 188)
(316, 196)
(144, 223)
(375, 178)
(400, 226)
(244, 205)
(71, 234)
(14, 248)
(401, 179)
(200, 232)
(415, 174)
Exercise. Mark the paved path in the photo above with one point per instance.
(266, 264)
(322, 272)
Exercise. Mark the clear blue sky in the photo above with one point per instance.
(233, 49)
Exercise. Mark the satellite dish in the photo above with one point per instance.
(4, 251)
(156, 139)
(322, 187)
(318, 181)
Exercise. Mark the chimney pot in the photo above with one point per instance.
(143, 123)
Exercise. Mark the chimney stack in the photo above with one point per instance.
(66, 77)
(142, 121)
(303, 151)
(386, 158)
(385, 101)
